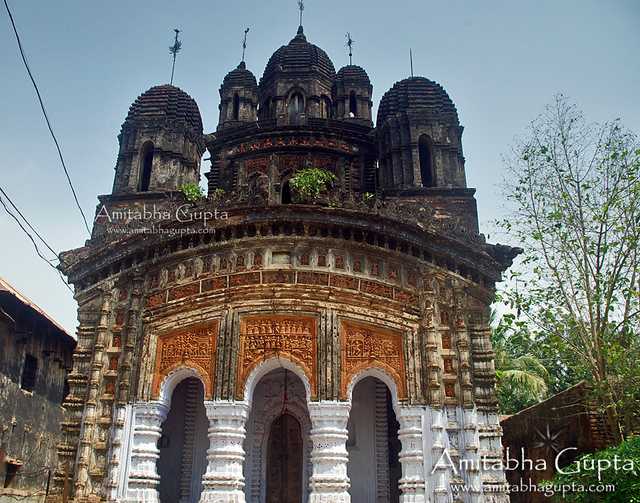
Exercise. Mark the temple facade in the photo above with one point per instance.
(259, 345)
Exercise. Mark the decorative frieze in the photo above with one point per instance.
(293, 337)
(194, 347)
(366, 346)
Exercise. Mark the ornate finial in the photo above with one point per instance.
(411, 61)
(244, 42)
(301, 9)
(350, 43)
(175, 49)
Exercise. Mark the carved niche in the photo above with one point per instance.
(364, 346)
(292, 337)
(193, 347)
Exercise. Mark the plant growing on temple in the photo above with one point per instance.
(575, 192)
(217, 194)
(309, 184)
(192, 192)
(614, 470)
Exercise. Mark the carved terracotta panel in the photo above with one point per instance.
(193, 347)
(364, 346)
(291, 337)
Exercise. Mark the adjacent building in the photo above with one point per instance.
(34, 361)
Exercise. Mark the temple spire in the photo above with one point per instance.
(350, 43)
(244, 43)
(175, 49)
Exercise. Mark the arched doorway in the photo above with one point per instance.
(183, 444)
(278, 445)
(284, 461)
(295, 107)
(374, 468)
(426, 161)
(146, 165)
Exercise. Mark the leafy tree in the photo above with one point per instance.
(583, 473)
(575, 192)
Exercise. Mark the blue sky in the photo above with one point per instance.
(500, 61)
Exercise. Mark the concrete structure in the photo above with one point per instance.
(36, 355)
(322, 350)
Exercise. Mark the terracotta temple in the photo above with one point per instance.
(256, 346)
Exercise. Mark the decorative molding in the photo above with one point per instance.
(263, 337)
(364, 346)
(193, 347)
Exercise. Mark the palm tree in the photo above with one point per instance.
(521, 376)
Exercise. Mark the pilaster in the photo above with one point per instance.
(143, 475)
(223, 481)
(412, 483)
(329, 481)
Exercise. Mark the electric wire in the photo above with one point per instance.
(49, 262)
(46, 117)
(27, 221)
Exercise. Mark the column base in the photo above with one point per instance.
(340, 497)
(213, 496)
(412, 498)
(145, 495)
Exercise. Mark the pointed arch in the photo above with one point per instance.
(295, 106)
(276, 362)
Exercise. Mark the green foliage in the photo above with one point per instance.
(522, 377)
(310, 183)
(625, 479)
(192, 192)
(575, 192)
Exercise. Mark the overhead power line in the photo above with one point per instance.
(27, 221)
(49, 262)
(46, 117)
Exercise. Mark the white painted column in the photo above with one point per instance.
(329, 482)
(412, 483)
(436, 449)
(143, 473)
(223, 481)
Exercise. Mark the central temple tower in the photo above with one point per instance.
(258, 346)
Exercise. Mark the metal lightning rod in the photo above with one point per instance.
(244, 43)
(175, 49)
(350, 43)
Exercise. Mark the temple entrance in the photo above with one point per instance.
(284, 461)
(278, 446)
(183, 445)
(373, 446)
